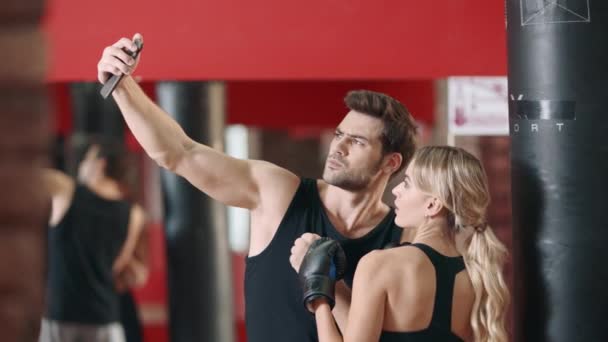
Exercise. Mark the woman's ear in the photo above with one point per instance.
(433, 207)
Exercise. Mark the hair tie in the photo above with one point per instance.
(481, 228)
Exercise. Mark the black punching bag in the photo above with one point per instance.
(198, 256)
(558, 109)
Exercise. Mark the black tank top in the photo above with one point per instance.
(273, 297)
(82, 250)
(440, 329)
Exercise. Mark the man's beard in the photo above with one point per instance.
(348, 179)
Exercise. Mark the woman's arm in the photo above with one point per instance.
(343, 299)
(326, 325)
(367, 307)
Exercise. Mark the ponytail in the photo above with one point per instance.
(484, 259)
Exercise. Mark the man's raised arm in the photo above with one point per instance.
(242, 183)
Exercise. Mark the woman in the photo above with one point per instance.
(447, 284)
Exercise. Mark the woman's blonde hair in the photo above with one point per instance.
(459, 181)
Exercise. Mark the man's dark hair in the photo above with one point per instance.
(399, 130)
(113, 152)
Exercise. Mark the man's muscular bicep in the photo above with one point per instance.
(235, 182)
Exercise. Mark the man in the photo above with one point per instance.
(375, 140)
(96, 248)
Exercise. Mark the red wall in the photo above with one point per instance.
(290, 104)
(277, 39)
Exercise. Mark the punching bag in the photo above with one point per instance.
(198, 255)
(94, 120)
(558, 116)
(94, 116)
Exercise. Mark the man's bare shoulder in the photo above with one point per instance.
(276, 185)
(57, 183)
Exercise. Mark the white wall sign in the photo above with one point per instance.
(478, 106)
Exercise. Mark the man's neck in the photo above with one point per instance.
(354, 213)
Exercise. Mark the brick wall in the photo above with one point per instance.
(494, 153)
(23, 139)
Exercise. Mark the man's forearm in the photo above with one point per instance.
(160, 136)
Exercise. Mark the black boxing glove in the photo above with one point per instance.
(324, 263)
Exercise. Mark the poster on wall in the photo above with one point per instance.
(478, 106)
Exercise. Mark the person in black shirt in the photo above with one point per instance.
(373, 141)
(446, 285)
(95, 249)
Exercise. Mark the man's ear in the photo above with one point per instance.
(392, 162)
